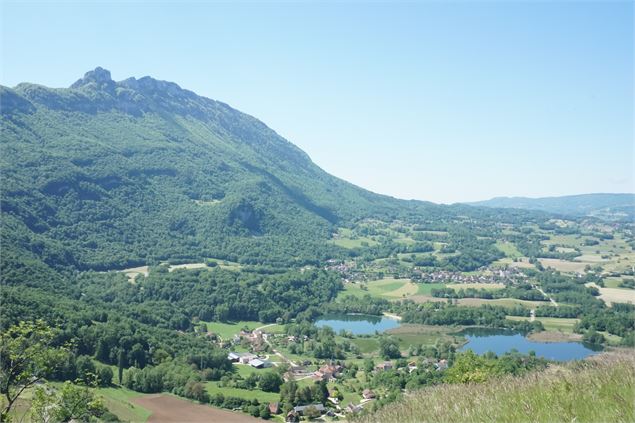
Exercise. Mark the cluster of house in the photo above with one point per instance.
(256, 339)
(300, 410)
(412, 366)
(489, 276)
(327, 372)
(248, 358)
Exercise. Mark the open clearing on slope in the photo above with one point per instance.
(388, 288)
(168, 408)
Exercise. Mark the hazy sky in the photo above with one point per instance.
(440, 101)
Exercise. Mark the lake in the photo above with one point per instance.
(483, 340)
(358, 324)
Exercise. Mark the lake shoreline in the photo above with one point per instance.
(391, 316)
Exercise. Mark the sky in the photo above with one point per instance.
(440, 101)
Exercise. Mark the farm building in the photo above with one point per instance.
(233, 357)
(274, 407)
(386, 365)
(368, 394)
(259, 364)
(247, 357)
(300, 409)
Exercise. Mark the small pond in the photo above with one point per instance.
(357, 324)
(483, 340)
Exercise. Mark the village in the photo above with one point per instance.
(263, 351)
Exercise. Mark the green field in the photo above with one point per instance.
(366, 345)
(213, 388)
(426, 288)
(119, 402)
(347, 239)
(387, 288)
(558, 324)
(509, 249)
(228, 330)
(414, 334)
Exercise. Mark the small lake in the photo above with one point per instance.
(483, 340)
(358, 324)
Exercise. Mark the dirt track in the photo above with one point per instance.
(167, 408)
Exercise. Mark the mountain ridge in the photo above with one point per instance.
(606, 205)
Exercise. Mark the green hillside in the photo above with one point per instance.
(598, 390)
(112, 174)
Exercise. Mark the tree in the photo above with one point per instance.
(105, 375)
(389, 348)
(311, 412)
(86, 370)
(121, 363)
(288, 393)
(27, 355)
(271, 382)
(71, 402)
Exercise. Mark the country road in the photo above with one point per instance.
(545, 294)
(279, 354)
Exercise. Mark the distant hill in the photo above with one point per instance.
(607, 206)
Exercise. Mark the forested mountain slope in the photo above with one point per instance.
(108, 174)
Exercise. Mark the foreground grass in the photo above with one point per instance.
(598, 390)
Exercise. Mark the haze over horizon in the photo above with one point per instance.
(438, 102)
